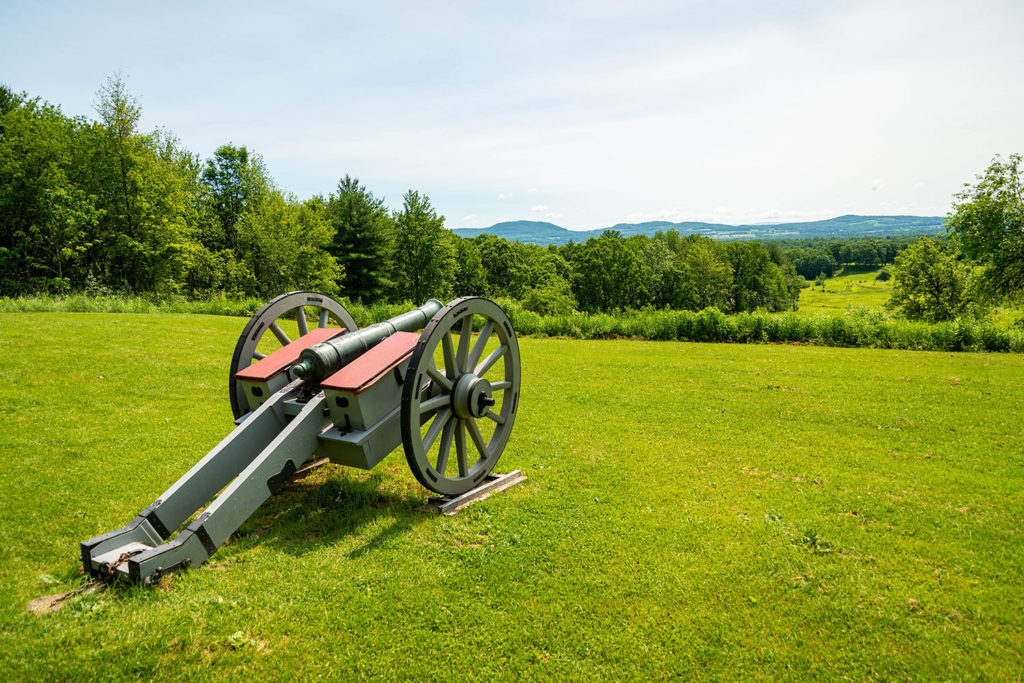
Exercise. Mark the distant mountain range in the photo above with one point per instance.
(539, 232)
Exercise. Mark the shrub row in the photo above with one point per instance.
(856, 329)
(859, 328)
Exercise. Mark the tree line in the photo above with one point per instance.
(102, 206)
(824, 256)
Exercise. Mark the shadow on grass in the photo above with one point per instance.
(303, 516)
(856, 270)
(306, 515)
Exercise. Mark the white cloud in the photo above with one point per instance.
(726, 215)
(540, 208)
(470, 218)
(673, 215)
(900, 208)
(502, 196)
(780, 216)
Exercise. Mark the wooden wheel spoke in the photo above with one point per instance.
(478, 348)
(470, 336)
(477, 437)
(439, 379)
(490, 360)
(450, 367)
(279, 333)
(465, 335)
(435, 428)
(434, 403)
(445, 447)
(309, 308)
(460, 448)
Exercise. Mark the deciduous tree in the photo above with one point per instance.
(284, 242)
(930, 283)
(36, 143)
(235, 178)
(988, 222)
(608, 275)
(705, 277)
(470, 275)
(425, 251)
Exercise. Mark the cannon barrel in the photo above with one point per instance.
(324, 359)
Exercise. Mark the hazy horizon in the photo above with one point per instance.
(581, 114)
(682, 220)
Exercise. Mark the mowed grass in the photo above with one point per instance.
(698, 510)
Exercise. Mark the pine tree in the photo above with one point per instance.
(364, 237)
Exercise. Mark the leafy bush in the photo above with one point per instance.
(550, 299)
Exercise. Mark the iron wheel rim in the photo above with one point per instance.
(426, 386)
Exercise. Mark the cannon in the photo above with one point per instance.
(448, 395)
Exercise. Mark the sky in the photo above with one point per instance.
(584, 114)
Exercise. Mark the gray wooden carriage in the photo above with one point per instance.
(448, 394)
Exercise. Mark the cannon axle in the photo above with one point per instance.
(471, 396)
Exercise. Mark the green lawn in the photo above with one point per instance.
(697, 510)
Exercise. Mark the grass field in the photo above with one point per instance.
(857, 287)
(698, 510)
(854, 287)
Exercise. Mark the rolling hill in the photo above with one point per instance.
(540, 232)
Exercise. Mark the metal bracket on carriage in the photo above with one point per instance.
(492, 483)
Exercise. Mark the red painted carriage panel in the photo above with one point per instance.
(286, 356)
(381, 359)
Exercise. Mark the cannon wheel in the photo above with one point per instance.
(293, 304)
(453, 389)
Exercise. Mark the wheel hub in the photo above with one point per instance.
(471, 396)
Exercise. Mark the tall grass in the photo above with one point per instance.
(856, 328)
(116, 303)
(218, 305)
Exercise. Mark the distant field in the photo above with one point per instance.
(858, 287)
(850, 289)
(692, 510)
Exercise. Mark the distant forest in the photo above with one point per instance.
(102, 207)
